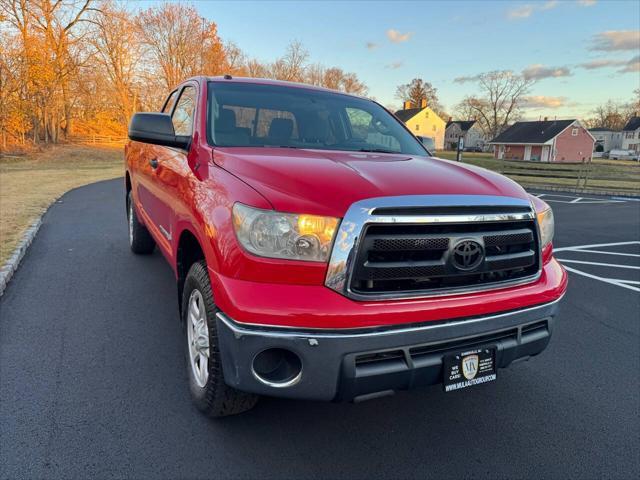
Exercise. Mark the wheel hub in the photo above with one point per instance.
(198, 338)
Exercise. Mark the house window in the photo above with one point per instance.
(574, 132)
(628, 134)
(417, 127)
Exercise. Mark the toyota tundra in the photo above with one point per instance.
(321, 251)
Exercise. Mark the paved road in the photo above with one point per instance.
(92, 381)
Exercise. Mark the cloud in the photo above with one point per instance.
(614, 40)
(394, 65)
(396, 37)
(371, 45)
(586, 3)
(525, 11)
(542, 101)
(628, 66)
(602, 63)
(632, 66)
(539, 72)
(467, 79)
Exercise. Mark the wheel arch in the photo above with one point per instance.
(189, 251)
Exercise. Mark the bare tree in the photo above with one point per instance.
(499, 101)
(416, 91)
(181, 43)
(291, 66)
(614, 115)
(118, 55)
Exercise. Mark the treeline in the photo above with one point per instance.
(77, 67)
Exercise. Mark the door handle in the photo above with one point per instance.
(154, 163)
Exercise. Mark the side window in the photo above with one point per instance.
(168, 103)
(184, 111)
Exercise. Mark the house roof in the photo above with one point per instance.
(600, 129)
(532, 132)
(463, 124)
(633, 124)
(404, 115)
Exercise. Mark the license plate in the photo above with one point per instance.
(469, 368)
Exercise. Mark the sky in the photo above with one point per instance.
(582, 52)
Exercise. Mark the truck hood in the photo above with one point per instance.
(325, 182)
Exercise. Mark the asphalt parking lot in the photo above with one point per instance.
(93, 385)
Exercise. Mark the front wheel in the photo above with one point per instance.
(140, 240)
(209, 391)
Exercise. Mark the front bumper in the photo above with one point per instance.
(360, 364)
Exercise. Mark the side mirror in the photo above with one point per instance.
(156, 128)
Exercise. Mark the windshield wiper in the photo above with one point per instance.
(278, 146)
(376, 150)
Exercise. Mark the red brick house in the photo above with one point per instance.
(545, 141)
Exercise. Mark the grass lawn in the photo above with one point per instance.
(29, 184)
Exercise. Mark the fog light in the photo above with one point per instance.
(277, 367)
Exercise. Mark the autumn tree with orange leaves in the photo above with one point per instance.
(75, 67)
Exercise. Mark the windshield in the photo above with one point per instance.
(254, 115)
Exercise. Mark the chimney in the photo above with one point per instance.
(546, 119)
(406, 105)
(450, 119)
(423, 103)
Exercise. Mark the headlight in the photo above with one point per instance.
(284, 235)
(545, 223)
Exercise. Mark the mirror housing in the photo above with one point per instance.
(156, 128)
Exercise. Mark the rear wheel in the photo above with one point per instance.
(206, 379)
(140, 240)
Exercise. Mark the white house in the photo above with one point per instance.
(467, 129)
(631, 135)
(606, 139)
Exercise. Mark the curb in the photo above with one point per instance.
(10, 267)
(577, 191)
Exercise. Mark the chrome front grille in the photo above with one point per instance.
(398, 247)
(418, 258)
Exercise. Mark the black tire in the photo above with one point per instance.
(140, 240)
(215, 398)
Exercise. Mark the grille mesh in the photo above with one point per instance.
(386, 244)
(401, 258)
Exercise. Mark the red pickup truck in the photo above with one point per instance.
(321, 251)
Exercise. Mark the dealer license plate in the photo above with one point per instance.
(469, 368)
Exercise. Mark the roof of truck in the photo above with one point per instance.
(269, 81)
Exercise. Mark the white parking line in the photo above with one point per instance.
(602, 279)
(595, 245)
(582, 250)
(601, 264)
(628, 284)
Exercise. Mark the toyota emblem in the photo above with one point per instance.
(467, 255)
